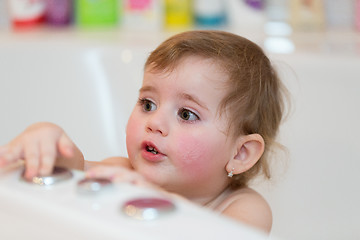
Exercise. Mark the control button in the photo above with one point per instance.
(148, 208)
(59, 174)
(93, 185)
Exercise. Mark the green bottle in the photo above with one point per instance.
(97, 12)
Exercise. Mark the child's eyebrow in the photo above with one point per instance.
(147, 89)
(193, 99)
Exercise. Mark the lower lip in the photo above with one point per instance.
(151, 157)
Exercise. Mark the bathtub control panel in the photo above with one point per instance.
(70, 205)
(141, 208)
(148, 208)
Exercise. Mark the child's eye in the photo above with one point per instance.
(187, 115)
(147, 105)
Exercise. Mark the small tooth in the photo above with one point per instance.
(152, 149)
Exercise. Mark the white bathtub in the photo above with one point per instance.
(31, 211)
(87, 82)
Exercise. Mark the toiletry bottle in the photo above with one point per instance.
(357, 15)
(178, 14)
(210, 13)
(59, 12)
(97, 12)
(24, 13)
(143, 15)
(307, 15)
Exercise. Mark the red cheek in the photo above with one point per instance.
(192, 155)
(132, 130)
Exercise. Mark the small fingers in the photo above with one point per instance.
(65, 146)
(116, 174)
(10, 153)
(102, 172)
(39, 146)
(3, 152)
(32, 156)
(3, 149)
(48, 155)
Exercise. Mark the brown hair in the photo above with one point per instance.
(255, 97)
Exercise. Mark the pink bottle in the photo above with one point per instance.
(357, 15)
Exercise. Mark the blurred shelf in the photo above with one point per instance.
(338, 42)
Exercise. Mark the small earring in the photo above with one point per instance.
(230, 174)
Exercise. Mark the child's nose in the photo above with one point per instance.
(157, 122)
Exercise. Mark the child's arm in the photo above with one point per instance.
(117, 169)
(249, 207)
(41, 146)
(112, 161)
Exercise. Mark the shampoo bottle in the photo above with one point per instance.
(178, 14)
(96, 13)
(26, 12)
(357, 15)
(307, 15)
(144, 15)
(210, 13)
(59, 12)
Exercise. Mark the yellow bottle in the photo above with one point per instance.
(307, 15)
(178, 14)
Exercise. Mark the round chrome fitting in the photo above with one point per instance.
(59, 174)
(93, 185)
(148, 208)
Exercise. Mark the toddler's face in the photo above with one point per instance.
(175, 137)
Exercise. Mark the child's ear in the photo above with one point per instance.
(248, 150)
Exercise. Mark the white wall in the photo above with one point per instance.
(317, 197)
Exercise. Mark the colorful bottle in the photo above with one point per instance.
(210, 13)
(357, 15)
(59, 12)
(144, 15)
(97, 12)
(26, 12)
(178, 14)
(307, 15)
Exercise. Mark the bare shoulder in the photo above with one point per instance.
(111, 161)
(248, 206)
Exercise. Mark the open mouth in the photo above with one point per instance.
(151, 153)
(151, 149)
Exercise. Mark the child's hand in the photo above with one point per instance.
(119, 174)
(39, 145)
(124, 174)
